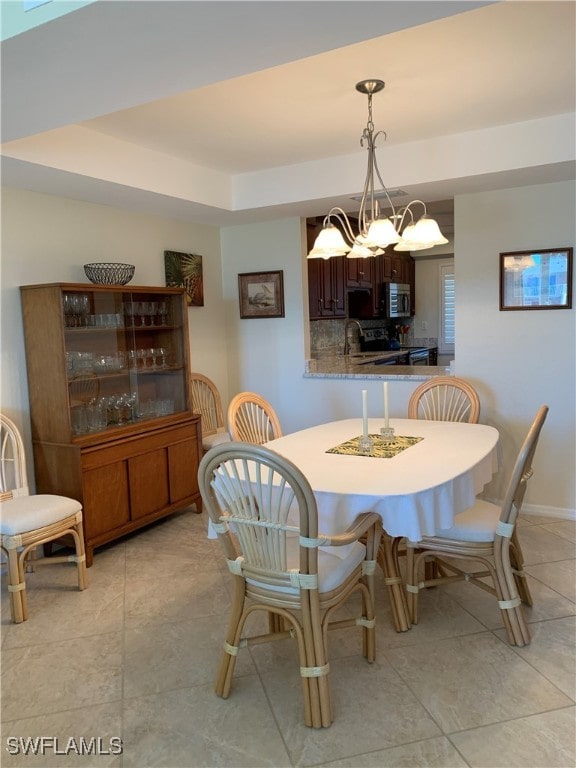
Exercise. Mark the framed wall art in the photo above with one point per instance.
(536, 279)
(261, 294)
(184, 270)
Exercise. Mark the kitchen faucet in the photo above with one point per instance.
(346, 341)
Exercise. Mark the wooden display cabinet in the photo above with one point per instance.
(112, 424)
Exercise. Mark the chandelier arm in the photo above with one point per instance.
(341, 216)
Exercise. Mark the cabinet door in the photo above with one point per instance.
(315, 288)
(359, 273)
(338, 286)
(183, 470)
(106, 499)
(149, 490)
(126, 357)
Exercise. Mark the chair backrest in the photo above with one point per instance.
(251, 419)
(13, 477)
(268, 502)
(207, 402)
(522, 471)
(445, 398)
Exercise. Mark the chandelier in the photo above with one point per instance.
(375, 232)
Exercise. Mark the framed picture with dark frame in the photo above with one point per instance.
(261, 294)
(536, 279)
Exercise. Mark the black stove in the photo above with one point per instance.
(376, 340)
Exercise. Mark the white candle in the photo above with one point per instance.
(365, 412)
(386, 416)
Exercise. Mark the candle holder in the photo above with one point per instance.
(365, 444)
(387, 434)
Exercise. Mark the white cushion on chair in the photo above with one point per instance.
(209, 441)
(27, 513)
(333, 569)
(477, 523)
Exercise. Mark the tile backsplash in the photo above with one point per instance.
(327, 336)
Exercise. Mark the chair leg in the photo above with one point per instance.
(233, 633)
(517, 562)
(17, 587)
(388, 560)
(412, 582)
(509, 600)
(78, 535)
(316, 670)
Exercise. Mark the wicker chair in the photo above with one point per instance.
(27, 521)
(207, 402)
(251, 419)
(280, 564)
(485, 533)
(445, 398)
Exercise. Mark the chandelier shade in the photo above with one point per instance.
(374, 231)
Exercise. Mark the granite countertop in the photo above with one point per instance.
(360, 366)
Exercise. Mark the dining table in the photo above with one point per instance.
(417, 479)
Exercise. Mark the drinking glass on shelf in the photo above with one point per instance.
(129, 313)
(141, 313)
(151, 308)
(68, 313)
(163, 312)
(161, 357)
(83, 309)
(79, 419)
(141, 358)
(151, 358)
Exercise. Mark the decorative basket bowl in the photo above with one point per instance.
(103, 273)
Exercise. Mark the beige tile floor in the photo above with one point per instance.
(135, 655)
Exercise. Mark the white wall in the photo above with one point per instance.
(518, 360)
(48, 239)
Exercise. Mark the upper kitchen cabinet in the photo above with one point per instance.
(112, 424)
(359, 273)
(402, 268)
(326, 282)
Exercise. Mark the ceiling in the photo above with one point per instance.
(225, 112)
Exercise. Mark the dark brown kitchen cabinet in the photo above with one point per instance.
(112, 425)
(359, 273)
(326, 282)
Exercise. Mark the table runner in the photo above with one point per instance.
(380, 450)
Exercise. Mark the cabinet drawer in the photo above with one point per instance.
(125, 448)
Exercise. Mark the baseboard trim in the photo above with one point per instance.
(557, 512)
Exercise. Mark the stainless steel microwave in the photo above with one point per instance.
(397, 299)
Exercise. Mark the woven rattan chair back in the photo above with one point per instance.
(251, 419)
(207, 402)
(445, 398)
(27, 521)
(265, 515)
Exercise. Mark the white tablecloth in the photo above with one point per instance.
(417, 492)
